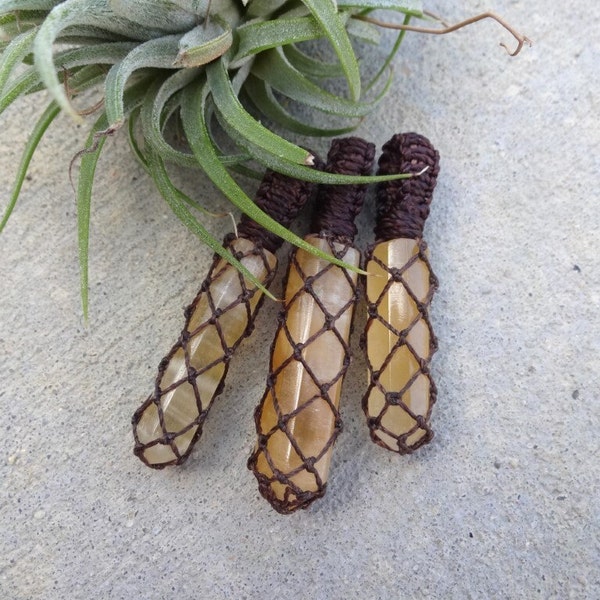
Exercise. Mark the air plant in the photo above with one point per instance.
(214, 70)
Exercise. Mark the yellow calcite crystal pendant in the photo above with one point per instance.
(297, 420)
(167, 425)
(399, 344)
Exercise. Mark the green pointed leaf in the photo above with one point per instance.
(30, 80)
(150, 13)
(7, 6)
(14, 54)
(231, 110)
(152, 116)
(279, 164)
(157, 53)
(258, 36)
(177, 201)
(333, 24)
(30, 147)
(264, 99)
(89, 161)
(259, 8)
(87, 171)
(274, 68)
(203, 44)
(77, 12)
(413, 7)
(162, 100)
(311, 67)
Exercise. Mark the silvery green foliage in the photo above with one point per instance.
(200, 63)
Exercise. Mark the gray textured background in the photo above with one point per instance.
(503, 504)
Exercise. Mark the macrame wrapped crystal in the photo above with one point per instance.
(399, 340)
(191, 376)
(298, 418)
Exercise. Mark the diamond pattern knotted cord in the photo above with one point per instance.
(418, 431)
(277, 419)
(167, 425)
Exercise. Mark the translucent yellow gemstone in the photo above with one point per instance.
(296, 389)
(398, 365)
(205, 350)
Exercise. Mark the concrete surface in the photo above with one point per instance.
(505, 501)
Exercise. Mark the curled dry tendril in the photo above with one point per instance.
(521, 39)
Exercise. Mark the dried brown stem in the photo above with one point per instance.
(521, 39)
(72, 92)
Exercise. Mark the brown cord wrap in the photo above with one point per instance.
(399, 338)
(281, 198)
(339, 205)
(403, 204)
(298, 420)
(192, 375)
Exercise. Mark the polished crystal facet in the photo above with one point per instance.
(197, 364)
(310, 355)
(403, 391)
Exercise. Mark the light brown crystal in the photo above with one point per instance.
(298, 420)
(399, 344)
(169, 422)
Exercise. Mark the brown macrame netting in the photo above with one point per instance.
(402, 207)
(170, 421)
(279, 487)
(393, 398)
(245, 306)
(318, 356)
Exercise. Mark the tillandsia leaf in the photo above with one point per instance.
(152, 116)
(89, 160)
(78, 12)
(162, 100)
(177, 201)
(258, 36)
(333, 24)
(14, 54)
(274, 68)
(30, 80)
(193, 118)
(203, 44)
(87, 171)
(158, 53)
(7, 6)
(12, 26)
(33, 140)
(148, 13)
(132, 124)
(280, 165)
(27, 82)
(261, 8)
(247, 127)
(311, 67)
(412, 7)
(261, 94)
